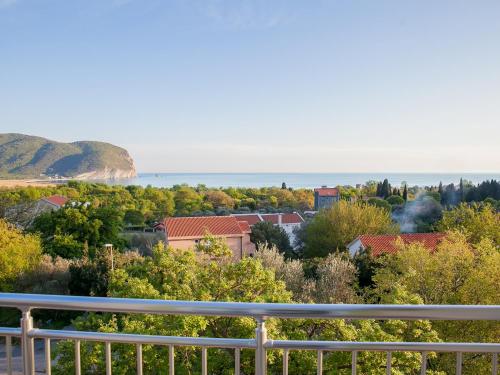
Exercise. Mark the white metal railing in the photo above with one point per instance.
(259, 311)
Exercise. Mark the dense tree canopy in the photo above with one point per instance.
(332, 229)
(18, 253)
(476, 221)
(464, 269)
(266, 235)
(209, 275)
(457, 273)
(67, 231)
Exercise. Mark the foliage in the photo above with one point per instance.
(266, 235)
(174, 274)
(133, 217)
(483, 191)
(67, 231)
(332, 229)
(457, 273)
(380, 203)
(187, 200)
(50, 276)
(475, 221)
(395, 200)
(383, 189)
(366, 266)
(219, 199)
(90, 276)
(333, 281)
(210, 275)
(19, 253)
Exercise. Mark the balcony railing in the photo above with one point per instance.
(258, 311)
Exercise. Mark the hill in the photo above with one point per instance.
(25, 156)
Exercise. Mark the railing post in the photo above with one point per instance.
(260, 352)
(27, 343)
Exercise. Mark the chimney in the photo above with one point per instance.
(280, 219)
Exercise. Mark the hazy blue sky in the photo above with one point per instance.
(260, 85)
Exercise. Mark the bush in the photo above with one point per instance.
(380, 203)
(395, 200)
(19, 253)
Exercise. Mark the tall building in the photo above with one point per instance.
(325, 197)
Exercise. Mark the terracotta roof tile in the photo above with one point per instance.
(245, 227)
(293, 218)
(386, 243)
(327, 192)
(196, 227)
(251, 219)
(57, 200)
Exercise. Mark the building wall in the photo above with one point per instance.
(240, 246)
(289, 229)
(324, 202)
(355, 247)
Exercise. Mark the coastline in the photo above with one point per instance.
(12, 183)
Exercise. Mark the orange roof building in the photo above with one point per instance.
(56, 200)
(186, 232)
(325, 197)
(386, 243)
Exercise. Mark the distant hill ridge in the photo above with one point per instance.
(26, 156)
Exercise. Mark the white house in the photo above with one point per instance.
(289, 222)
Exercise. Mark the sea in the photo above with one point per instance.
(298, 180)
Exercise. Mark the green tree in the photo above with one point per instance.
(133, 217)
(395, 200)
(209, 275)
(456, 273)
(385, 189)
(475, 221)
(220, 200)
(267, 235)
(19, 253)
(405, 193)
(332, 229)
(380, 203)
(65, 232)
(173, 274)
(187, 201)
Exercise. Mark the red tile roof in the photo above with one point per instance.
(251, 219)
(245, 227)
(386, 243)
(327, 192)
(57, 200)
(197, 227)
(293, 218)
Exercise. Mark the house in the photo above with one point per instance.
(54, 202)
(289, 222)
(325, 197)
(23, 214)
(186, 232)
(251, 219)
(386, 243)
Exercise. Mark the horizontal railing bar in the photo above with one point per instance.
(383, 346)
(5, 331)
(126, 338)
(261, 310)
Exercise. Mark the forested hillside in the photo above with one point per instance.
(25, 156)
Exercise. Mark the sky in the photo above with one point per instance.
(260, 85)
